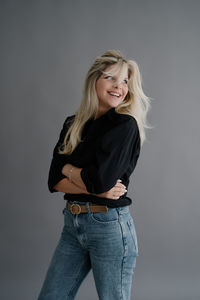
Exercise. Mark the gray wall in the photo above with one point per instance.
(46, 50)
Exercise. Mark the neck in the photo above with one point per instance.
(101, 112)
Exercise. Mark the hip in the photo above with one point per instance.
(116, 225)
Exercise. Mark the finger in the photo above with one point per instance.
(119, 181)
(120, 191)
(120, 185)
(116, 194)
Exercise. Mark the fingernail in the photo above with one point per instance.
(120, 180)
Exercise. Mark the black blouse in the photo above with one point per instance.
(109, 151)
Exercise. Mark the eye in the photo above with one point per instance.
(125, 81)
(108, 77)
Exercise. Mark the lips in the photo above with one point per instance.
(118, 95)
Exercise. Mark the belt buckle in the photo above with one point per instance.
(75, 209)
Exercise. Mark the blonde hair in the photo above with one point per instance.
(135, 104)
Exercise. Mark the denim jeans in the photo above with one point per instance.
(105, 242)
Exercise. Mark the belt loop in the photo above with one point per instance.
(87, 204)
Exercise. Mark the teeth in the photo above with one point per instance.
(113, 94)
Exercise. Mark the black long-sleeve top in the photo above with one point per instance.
(109, 151)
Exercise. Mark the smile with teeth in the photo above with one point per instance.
(114, 94)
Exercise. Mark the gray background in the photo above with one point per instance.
(46, 50)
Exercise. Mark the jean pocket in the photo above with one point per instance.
(131, 227)
(105, 217)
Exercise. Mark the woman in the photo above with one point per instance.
(96, 153)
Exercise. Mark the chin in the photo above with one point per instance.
(116, 104)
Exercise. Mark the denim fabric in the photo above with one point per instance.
(105, 242)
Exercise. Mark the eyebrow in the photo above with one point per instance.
(109, 74)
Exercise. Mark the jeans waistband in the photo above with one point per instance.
(121, 210)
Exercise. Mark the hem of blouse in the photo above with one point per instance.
(97, 200)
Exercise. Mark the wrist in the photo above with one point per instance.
(71, 168)
(66, 170)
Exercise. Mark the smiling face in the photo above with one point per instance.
(112, 87)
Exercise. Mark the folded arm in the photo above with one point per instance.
(113, 156)
(76, 185)
(66, 186)
(75, 175)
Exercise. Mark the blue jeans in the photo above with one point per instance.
(105, 242)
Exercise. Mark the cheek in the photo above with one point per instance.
(100, 91)
(125, 91)
(102, 88)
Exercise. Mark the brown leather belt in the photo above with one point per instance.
(76, 208)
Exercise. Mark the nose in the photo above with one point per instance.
(117, 84)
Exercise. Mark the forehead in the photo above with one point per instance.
(119, 70)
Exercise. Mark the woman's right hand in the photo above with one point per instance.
(115, 192)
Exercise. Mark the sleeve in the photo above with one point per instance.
(58, 160)
(112, 158)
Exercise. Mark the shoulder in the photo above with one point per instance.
(118, 118)
(67, 122)
(121, 130)
(122, 121)
(69, 119)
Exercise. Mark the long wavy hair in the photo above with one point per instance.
(136, 103)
